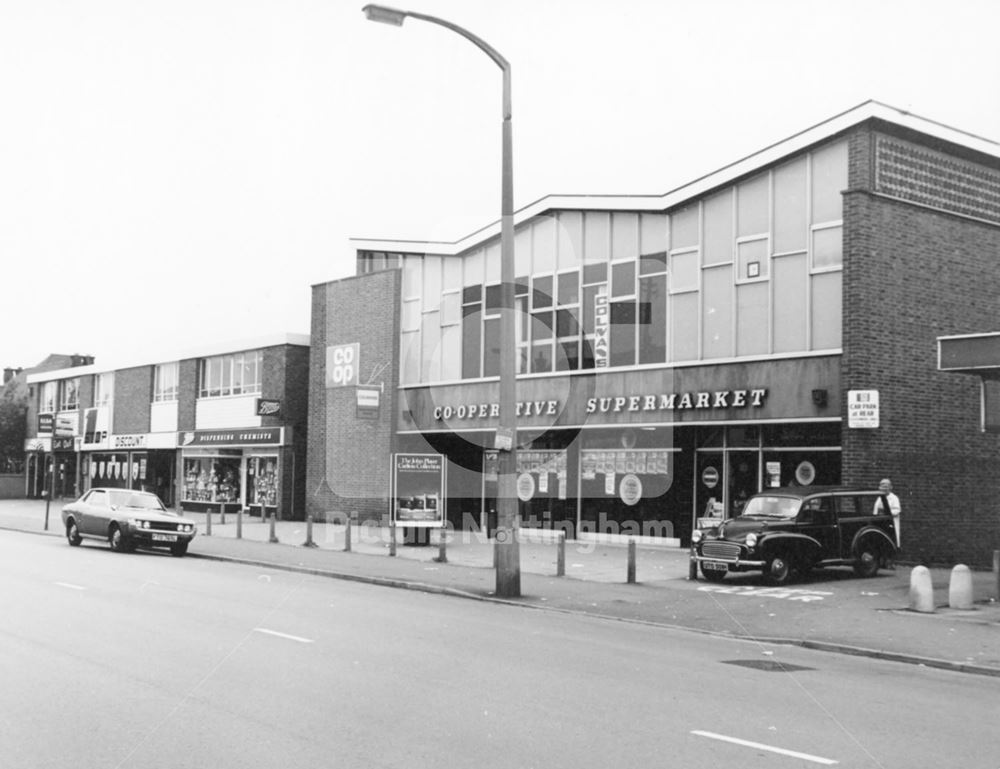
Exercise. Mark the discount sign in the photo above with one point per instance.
(342, 365)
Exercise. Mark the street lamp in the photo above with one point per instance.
(508, 571)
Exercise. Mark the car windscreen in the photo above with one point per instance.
(772, 506)
(133, 500)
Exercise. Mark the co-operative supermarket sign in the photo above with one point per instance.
(342, 363)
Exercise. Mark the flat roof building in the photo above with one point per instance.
(771, 323)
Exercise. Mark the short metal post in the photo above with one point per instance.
(561, 555)
(996, 571)
(239, 523)
(222, 513)
(309, 533)
(274, 536)
(392, 538)
(692, 565)
(496, 552)
(347, 531)
(208, 522)
(442, 545)
(630, 576)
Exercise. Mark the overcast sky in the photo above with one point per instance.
(174, 172)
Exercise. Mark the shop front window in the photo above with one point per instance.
(628, 491)
(109, 471)
(212, 479)
(262, 481)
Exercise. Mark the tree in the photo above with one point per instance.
(13, 427)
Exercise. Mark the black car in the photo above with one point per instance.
(787, 530)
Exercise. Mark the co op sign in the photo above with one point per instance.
(342, 363)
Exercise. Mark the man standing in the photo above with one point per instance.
(885, 486)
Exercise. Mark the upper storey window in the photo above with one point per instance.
(236, 374)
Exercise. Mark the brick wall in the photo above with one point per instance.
(187, 393)
(913, 273)
(133, 394)
(348, 457)
(285, 376)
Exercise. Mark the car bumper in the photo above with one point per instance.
(149, 538)
(734, 564)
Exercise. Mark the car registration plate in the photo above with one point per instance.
(164, 537)
(714, 566)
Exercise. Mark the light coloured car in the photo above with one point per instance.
(127, 520)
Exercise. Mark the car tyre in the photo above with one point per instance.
(866, 564)
(73, 534)
(118, 541)
(778, 569)
(179, 550)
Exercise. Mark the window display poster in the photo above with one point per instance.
(418, 482)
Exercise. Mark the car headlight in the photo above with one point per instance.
(696, 536)
(751, 540)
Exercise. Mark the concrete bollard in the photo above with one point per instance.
(996, 572)
(239, 523)
(309, 533)
(561, 555)
(630, 574)
(442, 545)
(273, 537)
(921, 590)
(960, 588)
(348, 520)
(222, 513)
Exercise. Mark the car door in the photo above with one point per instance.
(852, 514)
(93, 512)
(817, 520)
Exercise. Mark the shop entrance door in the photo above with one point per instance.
(742, 480)
(709, 484)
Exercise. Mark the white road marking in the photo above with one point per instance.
(71, 586)
(300, 639)
(760, 746)
(791, 593)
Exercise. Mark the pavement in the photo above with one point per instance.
(830, 610)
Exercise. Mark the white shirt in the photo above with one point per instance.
(894, 509)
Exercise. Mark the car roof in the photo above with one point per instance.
(810, 491)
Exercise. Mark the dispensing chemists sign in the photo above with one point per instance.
(862, 409)
(418, 484)
(342, 364)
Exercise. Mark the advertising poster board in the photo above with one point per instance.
(418, 490)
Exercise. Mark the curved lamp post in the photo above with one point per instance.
(508, 567)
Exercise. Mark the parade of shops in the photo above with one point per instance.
(773, 323)
(225, 428)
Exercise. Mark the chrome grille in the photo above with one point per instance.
(163, 525)
(722, 550)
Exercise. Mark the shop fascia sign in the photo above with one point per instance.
(251, 436)
(715, 399)
(127, 441)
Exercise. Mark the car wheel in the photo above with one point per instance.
(73, 534)
(178, 550)
(712, 576)
(866, 564)
(118, 541)
(778, 569)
